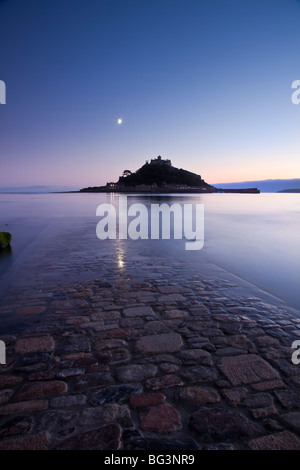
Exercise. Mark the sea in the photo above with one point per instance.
(252, 237)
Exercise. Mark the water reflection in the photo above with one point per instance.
(120, 255)
(6, 258)
(253, 236)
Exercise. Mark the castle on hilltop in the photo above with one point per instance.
(159, 161)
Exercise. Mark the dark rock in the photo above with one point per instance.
(281, 441)
(286, 367)
(114, 394)
(187, 443)
(68, 401)
(272, 385)
(262, 412)
(105, 438)
(162, 418)
(92, 380)
(288, 398)
(197, 395)
(196, 356)
(219, 447)
(145, 400)
(41, 390)
(37, 358)
(24, 407)
(16, 426)
(198, 374)
(164, 358)
(9, 380)
(231, 328)
(292, 420)
(140, 311)
(60, 422)
(78, 343)
(234, 395)
(166, 381)
(135, 372)
(124, 417)
(99, 414)
(259, 400)
(35, 344)
(133, 440)
(5, 239)
(72, 372)
(114, 356)
(33, 442)
(235, 341)
(247, 369)
(219, 423)
(163, 343)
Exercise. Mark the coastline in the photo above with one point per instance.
(169, 191)
(152, 357)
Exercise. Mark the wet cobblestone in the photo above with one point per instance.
(167, 361)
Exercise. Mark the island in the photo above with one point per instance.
(160, 176)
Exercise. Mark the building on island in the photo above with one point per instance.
(159, 161)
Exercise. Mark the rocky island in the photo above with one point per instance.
(160, 176)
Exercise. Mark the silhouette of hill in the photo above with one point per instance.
(297, 190)
(159, 175)
(162, 174)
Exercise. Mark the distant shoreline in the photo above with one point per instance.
(289, 191)
(169, 191)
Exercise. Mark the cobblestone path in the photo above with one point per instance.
(169, 361)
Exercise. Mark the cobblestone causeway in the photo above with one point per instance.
(169, 361)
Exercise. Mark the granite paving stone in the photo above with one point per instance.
(280, 441)
(33, 442)
(135, 372)
(34, 344)
(16, 426)
(219, 423)
(144, 400)
(197, 395)
(246, 369)
(163, 418)
(41, 390)
(104, 438)
(140, 311)
(292, 420)
(164, 343)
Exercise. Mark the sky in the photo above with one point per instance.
(205, 83)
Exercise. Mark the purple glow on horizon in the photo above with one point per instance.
(205, 84)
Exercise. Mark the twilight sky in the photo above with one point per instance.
(206, 83)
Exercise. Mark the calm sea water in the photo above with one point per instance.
(255, 237)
